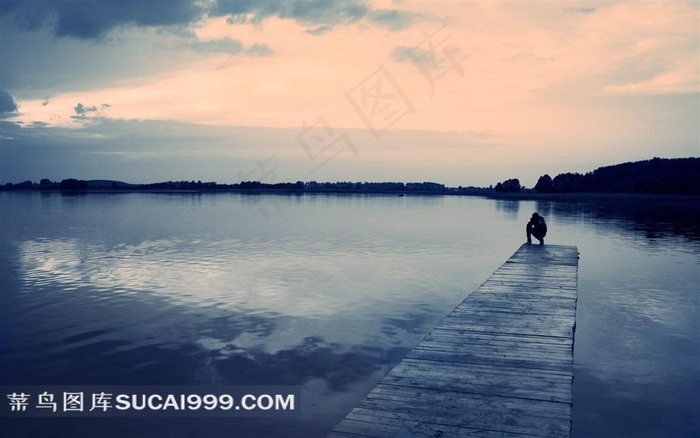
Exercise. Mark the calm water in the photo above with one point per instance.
(329, 292)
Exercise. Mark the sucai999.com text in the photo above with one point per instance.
(151, 401)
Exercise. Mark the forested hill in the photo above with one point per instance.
(658, 175)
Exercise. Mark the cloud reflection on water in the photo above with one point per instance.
(332, 292)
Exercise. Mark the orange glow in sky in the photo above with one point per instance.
(540, 84)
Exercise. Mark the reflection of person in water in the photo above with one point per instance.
(536, 227)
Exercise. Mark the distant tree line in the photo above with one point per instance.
(655, 176)
(73, 185)
(509, 186)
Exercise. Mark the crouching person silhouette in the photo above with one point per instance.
(536, 227)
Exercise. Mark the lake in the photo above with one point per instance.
(327, 293)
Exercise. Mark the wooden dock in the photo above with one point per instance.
(499, 365)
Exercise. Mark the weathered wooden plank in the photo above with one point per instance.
(487, 356)
(559, 332)
(525, 272)
(494, 303)
(560, 329)
(511, 419)
(512, 377)
(410, 396)
(495, 385)
(533, 389)
(512, 318)
(520, 291)
(500, 364)
(467, 341)
(485, 373)
(519, 275)
(442, 356)
(409, 428)
(519, 338)
(511, 286)
(490, 350)
(486, 369)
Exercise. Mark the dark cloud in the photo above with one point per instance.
(36, 65)
(392, 19)
(321, 30)
(93, 19)
(307, 12)
(7, 103)
(90, 19)
(324, 14)
(81, 109)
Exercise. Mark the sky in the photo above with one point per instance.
(462, 93)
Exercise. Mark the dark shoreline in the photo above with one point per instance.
(483, 193)
(649, 178)
(591, 196)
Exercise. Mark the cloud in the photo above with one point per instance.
(427, 59)
(37, 65)
(580, 10)
(306, 12)
(92, 19)
(405, 54)
(260, 50)
(231, 47)
(324, 14)
(81, 109)
(321, 30)
(677, 81)
(7, 103)
(392, 19)
(224, 45)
